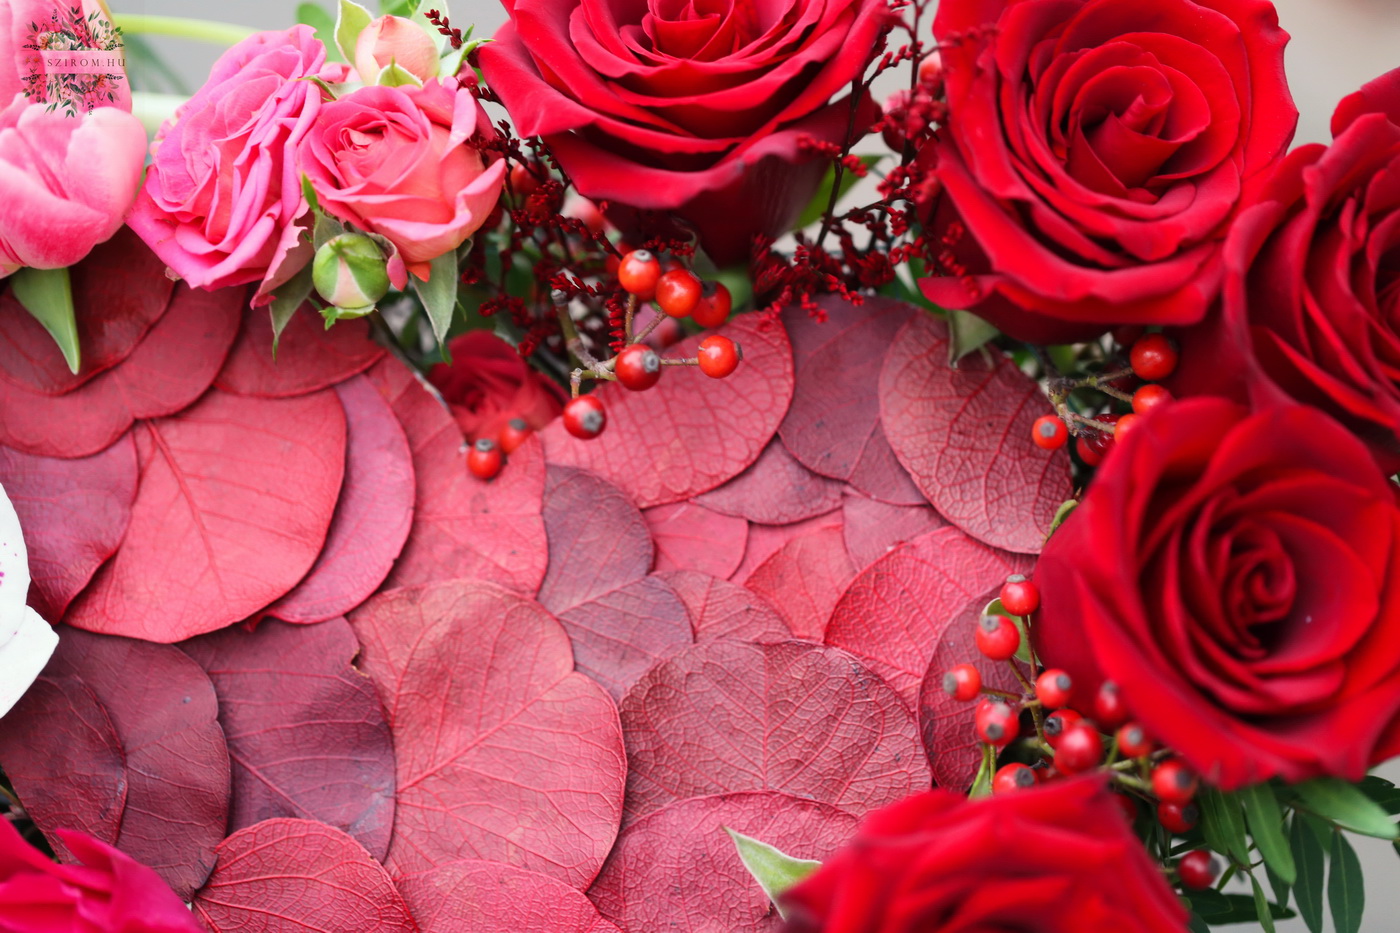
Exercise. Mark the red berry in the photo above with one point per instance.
(1013, 777)
(1133, 741)
(1125, 424)
(523, 182)
(1149, 397)
(1080, 749)
(678, 292)
(963, 682)
(1173, 782)
(1125, 334)
(1178, 818)
(719, 356)
(1049, 432)
(1153, 357)
(1019, 596)
(996, 722)
(484, 460)
(997, 637)
(637, 367)
(1088, 451)
(1058, 723)
(515, 433)
(638, 273)
(1052, 688)
(714, 305)
(1198, 869)
(584, 417)
(1109, 711)
(931, 70)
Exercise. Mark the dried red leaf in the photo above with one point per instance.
(462, 526)
(119, 291)
(74, 514)
(309, 357)
(473, 896)
(776, 490)
(169, 369)
(617, 636)
(372, 517)
(306, 733)
(235, 499)
(678, 870)
(965, 436)
(894, 612)
(174, 761)
(503, 751)
(833, 426)
(808, 334)
(692, 537)
(767, 540)
(720, 609)
(290, 875)
(690, 433)
(803, 719)
(804, 578)
(873, 528)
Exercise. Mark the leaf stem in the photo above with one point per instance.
(199, 30)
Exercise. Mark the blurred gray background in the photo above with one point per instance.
(1337, 46)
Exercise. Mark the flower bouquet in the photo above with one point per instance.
(619, 476)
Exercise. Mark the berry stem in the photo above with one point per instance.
(688, 361)
(631, 313)
(646, 332)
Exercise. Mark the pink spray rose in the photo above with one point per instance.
(393, 39)
(223, 203)
(399, 162)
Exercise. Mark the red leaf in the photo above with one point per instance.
(809, 334)
(720, 609)
(767, 540)
(618, 635)
(776, 490)
(289, 875)
(804, 579)
(119, 291)
(833, 426)
(372, 516)
(309, 357)
(692, 537)
(802, 719)
(306, 734)
(235, 499)
(175, 762)
(873, 527)
(462, 526)
(893, 613)
(503, 751)
(74, 514)
(690, 433)
(473, 896)
(678, 870)
(948, 727)
(168, 370)
(965, 436)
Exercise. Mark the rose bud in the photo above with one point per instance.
(395, 40)
(349, 271)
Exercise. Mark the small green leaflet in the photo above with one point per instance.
(774, 870)
(967, 333)
(439, 294)
(1265, 818)
(47, 294)
(1346, 895)
(350, 22)
(1307, 856)
(315, 16)
(286, 300)
(1222, 822)
(1262, 908)
(1345, 805)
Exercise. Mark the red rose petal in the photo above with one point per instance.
(176, 765)
(804, 578)
(235, 499)
(74, 514)
(720, 609)
(299, 875)
(306, 733)
(678, 870)
(965, 436)
(692, 537)
(690, 433)
(462, 526)
(504, 751)
(776, 490)
(802, 719)
(309, 357)
(372, 517)
(873, 528)
(473, 896)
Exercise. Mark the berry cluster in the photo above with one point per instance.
(487, 456)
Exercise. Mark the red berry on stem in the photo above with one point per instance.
(1052, 688)
(963, 682)
(1088, 451)
(1049, 432)
(1173, 782)
(637, 367)
(714, 305)
(1124, 424)
(1013, 777)
(523, 182)
(1080, 749)
(1149, 397)
(996, 722)
(719, 356)
(997, 637)
(1109, 711)
(484, 460)
(1133, 741)
(1019, 596)
(515, 433)
(1178, 818)
(584, 417)
(678, 292)
(1153, 357)
(1198, 869)
(1058, 723)
(638, 273)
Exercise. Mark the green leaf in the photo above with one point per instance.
(967, 333)
(774, 870)
(285, 301)
(1262, 908)
(1346, 895)
(1197, 925)
(1062, 513)
(1307, 856)
(439, 294)
(350, 22)
(399, 7)
(1347, 806)
(1265, 818)
(315, 16)
(1216, 908)
(47, 294)
(1281, 888)
(1223, 824)
(816, 207)
(309, 192)
(394, 75)
(1382, 792)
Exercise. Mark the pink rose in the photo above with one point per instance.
(398, 161)
(59, 201)
(223, 203)
(395, 40)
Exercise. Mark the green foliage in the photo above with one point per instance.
(1346, 895)
(319, 19)
(1216, 908)
(774, 870)
(1265, 821)
(47, 294)
(1345, 805)
(1308, 857)
(816, 207)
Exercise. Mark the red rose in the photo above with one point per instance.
(1056, 859)
(700, 110)
(107, 893)
(487, 384)
(1238, 577)
(1095, 151)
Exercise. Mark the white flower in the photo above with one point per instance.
(26, 640)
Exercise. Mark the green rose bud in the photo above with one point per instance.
(349, 271)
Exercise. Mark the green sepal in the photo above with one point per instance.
(351, 20)
(967, 333)
(395, 75)
(774, 870)
(47, 294)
